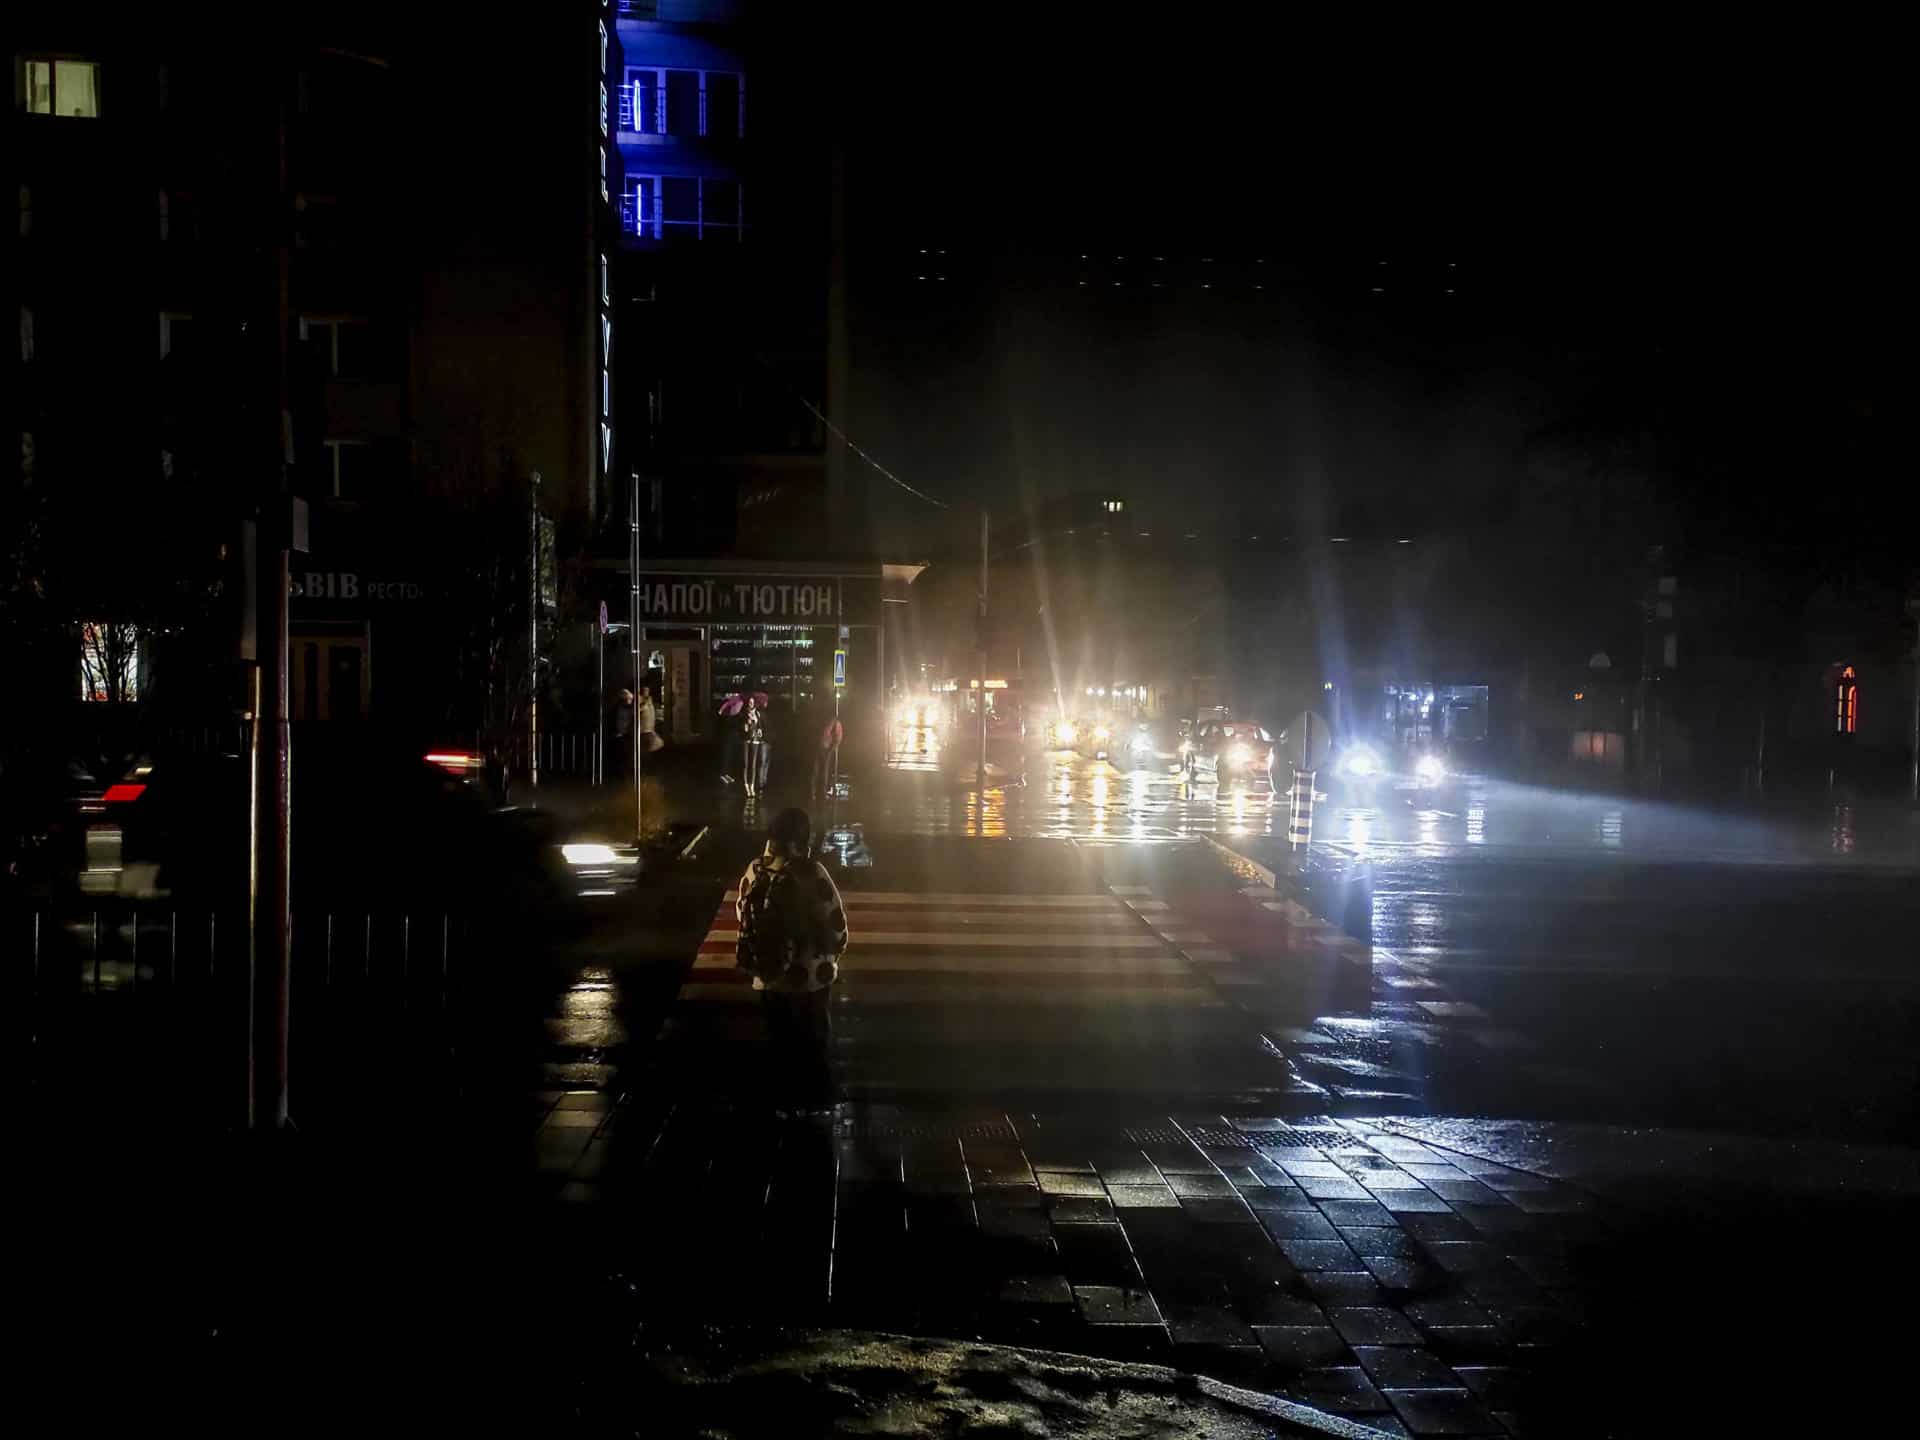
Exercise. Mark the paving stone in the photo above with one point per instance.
(1017, 1254)
(1277, 1307)
(1535, 1325)
(1081, 1210)
(1442, 1412)
(1180, 1160)
(1129, 1172)
(1372, 1325)
(1302, 1347)
(1218, 1212)
(1143, 1197)
(1206, 1325)
(1202, 1187)
(1468, 1344)
(1497, 1217)
(1548, 1270)
(1066, 1182)
(1549, 1202)
(1319, 1254)
(1409, 1276)
(1096, 1255)
(1321, 1188)
(1344, 1287)
(1116, 1305)
(1028, 1195)
(1382, 1240)
(1284, 1155)
(1413, 1202)
(1343, 1389)
(1461, 1256)
(1512, 1181)
(1447, 1310)
(1405, 1367)
(1012, 1172)
(1463, 1191)
(1495, 1385)
(1010, 1220)
(1298, 1225)
(1279, 1197)
(1437, 1227)
(1058, 1161)
(1356, 1212)
(1387, 1179)
(1315, 1169)
(1036, 1290)
(1501, 1286)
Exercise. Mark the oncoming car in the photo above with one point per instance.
(1230, 751)
(1363, 765)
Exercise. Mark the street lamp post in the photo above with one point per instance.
(981, 699)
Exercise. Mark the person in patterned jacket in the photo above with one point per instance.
(793, 931)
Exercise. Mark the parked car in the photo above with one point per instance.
(374, 828)
(1229, 752)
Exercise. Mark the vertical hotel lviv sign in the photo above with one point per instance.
(604, 311)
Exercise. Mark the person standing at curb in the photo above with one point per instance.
(826, 759)
(793, 931)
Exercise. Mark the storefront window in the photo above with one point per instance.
(776, 660)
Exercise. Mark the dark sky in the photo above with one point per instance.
(1625, 222)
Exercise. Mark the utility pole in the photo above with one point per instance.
(1913, 772)
(533, 633)
(283, 521)
(633, 632)
(981, 699)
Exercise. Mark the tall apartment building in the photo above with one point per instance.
(439, 345)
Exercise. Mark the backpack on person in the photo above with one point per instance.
(766, 946)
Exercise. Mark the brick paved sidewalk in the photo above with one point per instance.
(1329, 1261)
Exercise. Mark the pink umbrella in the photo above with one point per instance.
(760, 699)
(732, 705)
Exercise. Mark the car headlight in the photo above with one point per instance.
(1239, 755)
(1101, 732)
(1142, 744)
(1064, 732)
(1431, 768)
(1360, 762)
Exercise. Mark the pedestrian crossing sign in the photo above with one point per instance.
(840, 668)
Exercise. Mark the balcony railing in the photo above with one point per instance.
(653, 225)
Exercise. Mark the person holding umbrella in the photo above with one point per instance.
(731, 710)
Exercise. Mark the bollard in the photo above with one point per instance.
(1300, 810)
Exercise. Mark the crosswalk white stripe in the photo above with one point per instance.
(978, 898)
(870, 939)
(985, 962)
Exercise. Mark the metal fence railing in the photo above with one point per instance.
(159, 997)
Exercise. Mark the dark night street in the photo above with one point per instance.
(734, 719)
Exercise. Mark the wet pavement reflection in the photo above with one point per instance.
(930, 790)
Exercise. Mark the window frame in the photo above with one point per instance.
(630, 105)
(653, 224)
(53, 61)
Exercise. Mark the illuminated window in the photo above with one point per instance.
(686, 103)
(682, 207)
(61, 87)
(176, 334)
(110, 671)
(1846, 703)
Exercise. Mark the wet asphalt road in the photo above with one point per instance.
(1536, 954)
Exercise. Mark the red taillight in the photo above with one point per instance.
(123, 794)
(454, 762)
